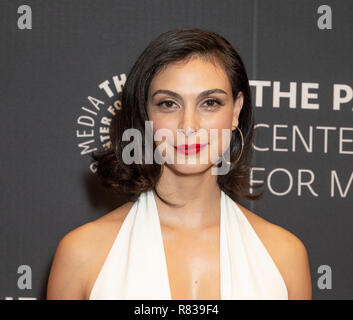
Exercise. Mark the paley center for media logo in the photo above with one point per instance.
(96, 116)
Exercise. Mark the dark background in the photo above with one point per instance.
(47, 73)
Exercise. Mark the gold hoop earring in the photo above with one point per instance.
(242, 146)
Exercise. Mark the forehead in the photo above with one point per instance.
(192, 75)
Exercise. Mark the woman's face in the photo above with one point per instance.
(178, 100)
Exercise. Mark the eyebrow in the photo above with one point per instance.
(201, 95)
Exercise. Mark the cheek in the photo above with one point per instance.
(219, 123)
(162, 122)
(219, 141)
(220, 119)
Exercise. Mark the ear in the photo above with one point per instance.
(238, 104)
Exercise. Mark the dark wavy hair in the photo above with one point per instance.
(129, 180)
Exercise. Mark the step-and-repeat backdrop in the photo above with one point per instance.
(63, 65)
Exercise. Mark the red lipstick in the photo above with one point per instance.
(190, 148)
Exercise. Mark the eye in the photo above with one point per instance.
(212, 103)
(166, 104)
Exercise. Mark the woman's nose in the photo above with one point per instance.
(189, 121)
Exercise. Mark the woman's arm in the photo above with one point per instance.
(298, 269)
(68, 274)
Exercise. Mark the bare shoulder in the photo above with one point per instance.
(270, 232)
(287, 251)
(81, 252)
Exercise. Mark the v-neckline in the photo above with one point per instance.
(164, 258)
(136, 265)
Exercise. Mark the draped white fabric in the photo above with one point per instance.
(135, 267)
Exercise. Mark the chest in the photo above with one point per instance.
(193, 263)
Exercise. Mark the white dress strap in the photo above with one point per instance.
(135, 267)
(247, 269)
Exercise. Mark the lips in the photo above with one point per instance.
(190, 149)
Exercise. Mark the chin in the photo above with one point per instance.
(188, 169)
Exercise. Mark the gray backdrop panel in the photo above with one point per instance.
(47, 73)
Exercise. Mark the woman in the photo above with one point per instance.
(181, 235)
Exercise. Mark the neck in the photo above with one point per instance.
(198, 198)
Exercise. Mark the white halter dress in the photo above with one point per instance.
(136, 269)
